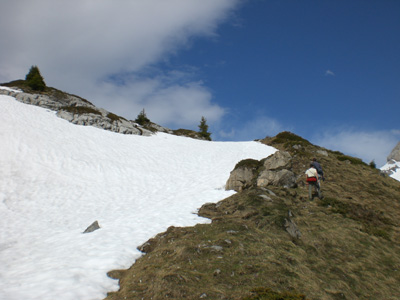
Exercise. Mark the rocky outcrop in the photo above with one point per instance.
(395, 154)
(282, 177)
(274, 170)
(81, 112)
(279, 160)
(242, 175)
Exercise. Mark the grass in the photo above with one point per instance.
(289, 139)
(115, 117)
(53, 93)
(268, 294)
(79, 110)
(188, 133)
(352, 160)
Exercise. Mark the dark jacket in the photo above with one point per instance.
(318, 167)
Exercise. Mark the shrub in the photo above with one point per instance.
(372, 164)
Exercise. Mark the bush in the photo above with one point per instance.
(372, 164)
(35, 80)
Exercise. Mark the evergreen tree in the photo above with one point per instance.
(142, 119)
(203, 129)
(35, 80)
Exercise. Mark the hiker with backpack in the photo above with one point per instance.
(318, 167)
(313, 180)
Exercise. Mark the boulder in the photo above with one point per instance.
(274, 171)
(239, 178)
(282, 177)
(278, 160)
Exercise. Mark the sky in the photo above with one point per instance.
(326, 70)
(57, 178)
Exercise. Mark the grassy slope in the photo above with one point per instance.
(349, 248)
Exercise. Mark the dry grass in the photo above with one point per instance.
(349, 246)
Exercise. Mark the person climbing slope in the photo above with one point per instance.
(312, 180)
(318, 167)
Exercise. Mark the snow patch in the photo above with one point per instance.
(57, 178)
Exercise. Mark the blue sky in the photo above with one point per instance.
(311, 66)
(326, 70)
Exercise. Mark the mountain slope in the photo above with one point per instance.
(348, 247)
(56, 178)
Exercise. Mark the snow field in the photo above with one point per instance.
(57, 178)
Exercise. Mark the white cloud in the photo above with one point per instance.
(329, 73)
(78, 44)
(373, 145)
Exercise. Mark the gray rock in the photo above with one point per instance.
(65, 103)
(322, 152)
(292, 228)
(282, 177)
(265, 197)
(239, 178)
(395, 154)
(94, 226)
(278, 160)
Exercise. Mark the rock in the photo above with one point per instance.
(239, 178)
(275, 172)
(81, 112)
(292, 228)
(395, 154)
(265, 197)
(283, 178)
(216, 248)
(94, 226)
(322, 152)
(278, 160)
(217, 272)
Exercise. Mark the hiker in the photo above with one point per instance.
(312, 174)
(318, 167)
(312, 179)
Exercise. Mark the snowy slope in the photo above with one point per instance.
(56, 178)
(393, 169)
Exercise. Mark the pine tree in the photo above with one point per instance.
(142, 119)
(35, 80)
(203, 129)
